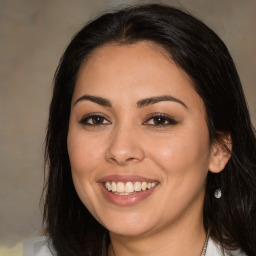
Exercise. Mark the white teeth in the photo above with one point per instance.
(144, 185)
(128, 188)
(113, 187)
(137, 186)
(120, 187)
(108, 186)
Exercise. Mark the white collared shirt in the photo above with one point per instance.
(214, 249)
(40, 246)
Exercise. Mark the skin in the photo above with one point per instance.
(126, 140)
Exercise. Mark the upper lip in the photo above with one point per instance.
(125, 178)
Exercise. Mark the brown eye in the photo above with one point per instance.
(94, 120)
(97, 120)
(160, 120)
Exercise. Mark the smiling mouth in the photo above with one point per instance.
(128, 188)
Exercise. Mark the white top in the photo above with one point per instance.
(214, 249)
(39, 246)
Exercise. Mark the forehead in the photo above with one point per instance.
(141, 48)
(142, 68)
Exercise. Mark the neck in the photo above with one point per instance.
(174, 241)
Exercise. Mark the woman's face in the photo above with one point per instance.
(138, 140)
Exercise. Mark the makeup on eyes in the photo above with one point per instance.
(159, 119)
(160, 114)
(95, 119)
(153, 119)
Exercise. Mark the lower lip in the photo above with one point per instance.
(125, 200)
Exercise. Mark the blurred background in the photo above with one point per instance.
(33, 36)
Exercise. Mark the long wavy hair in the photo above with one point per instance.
(204, 57)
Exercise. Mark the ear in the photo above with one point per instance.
(220, 153)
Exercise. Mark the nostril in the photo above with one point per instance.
(124, 153)
(123, 161)
(130, 159)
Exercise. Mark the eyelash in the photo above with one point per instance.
(163, 117)
(102, 118)
(85, 119)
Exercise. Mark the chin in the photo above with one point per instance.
(127, 224)
(129, 231)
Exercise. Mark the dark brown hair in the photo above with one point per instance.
(204, 57)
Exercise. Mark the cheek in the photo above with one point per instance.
(182, 151)
(84, 158)
(84, 154)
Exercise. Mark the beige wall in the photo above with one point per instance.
(33, 35)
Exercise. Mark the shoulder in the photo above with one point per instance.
(215, 249)
(38, 246)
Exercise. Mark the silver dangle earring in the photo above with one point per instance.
(217, 193)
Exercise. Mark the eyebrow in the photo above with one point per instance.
(156, 99)
(99, 100)
(141, 103)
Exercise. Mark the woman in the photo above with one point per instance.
(150, 146)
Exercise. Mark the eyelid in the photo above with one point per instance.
(91, 115)
(171, 120)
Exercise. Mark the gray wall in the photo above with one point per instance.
(33, 35)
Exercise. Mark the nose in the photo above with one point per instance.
(125, 147)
